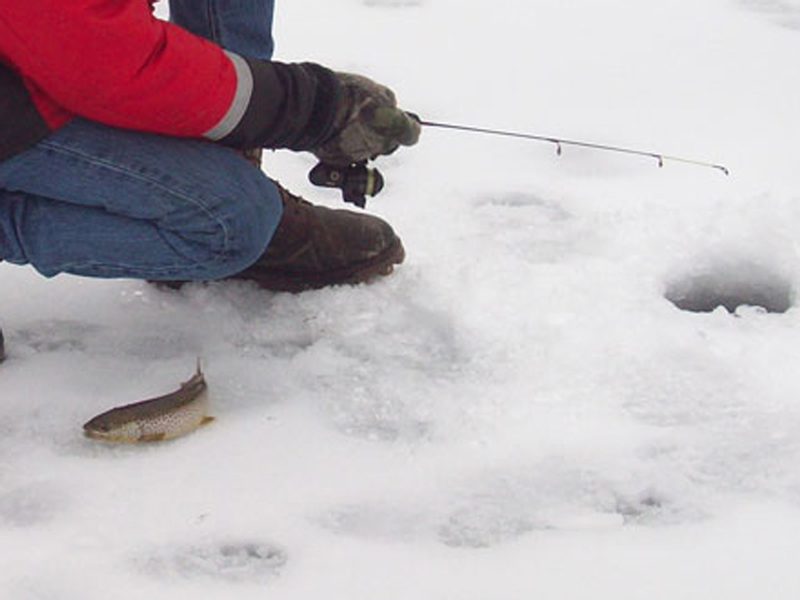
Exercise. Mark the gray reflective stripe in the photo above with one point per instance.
(241, 99)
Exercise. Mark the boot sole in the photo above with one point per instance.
(291, 281)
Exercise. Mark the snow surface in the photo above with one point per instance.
(518, 412)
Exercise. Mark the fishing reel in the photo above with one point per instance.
(356, 181)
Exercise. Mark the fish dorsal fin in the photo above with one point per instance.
(197, 377)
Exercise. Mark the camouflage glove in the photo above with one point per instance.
(367, 124)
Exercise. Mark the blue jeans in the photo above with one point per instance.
(104, 202)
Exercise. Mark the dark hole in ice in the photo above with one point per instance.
(731, 285)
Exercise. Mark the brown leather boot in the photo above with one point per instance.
(314, 247)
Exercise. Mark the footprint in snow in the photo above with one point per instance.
(553, 496)
(500, 512)
(376, 522)
(53, 335)
(545, 209)
(234, 561)
(532, 228)
(785, 13)
(487, 522)
(483, 526)
(31, 505)
(61, 335)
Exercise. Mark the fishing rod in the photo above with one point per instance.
(560, 143)
(357, 181)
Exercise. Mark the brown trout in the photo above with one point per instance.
(161, 418)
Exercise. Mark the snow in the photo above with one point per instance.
(518, 412)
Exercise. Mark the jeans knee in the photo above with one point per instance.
(257, 213)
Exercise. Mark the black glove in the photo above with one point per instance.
(342, 118)
(367, 123)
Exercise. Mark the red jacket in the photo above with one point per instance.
(112, 61)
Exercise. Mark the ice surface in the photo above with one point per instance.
(783, 12)
(519, 411)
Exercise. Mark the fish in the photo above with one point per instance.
(161, 418)
(2, 347)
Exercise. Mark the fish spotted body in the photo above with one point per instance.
(161, 418)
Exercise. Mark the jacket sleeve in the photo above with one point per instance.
(113, 62)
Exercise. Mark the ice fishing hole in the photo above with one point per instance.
(731, 285)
